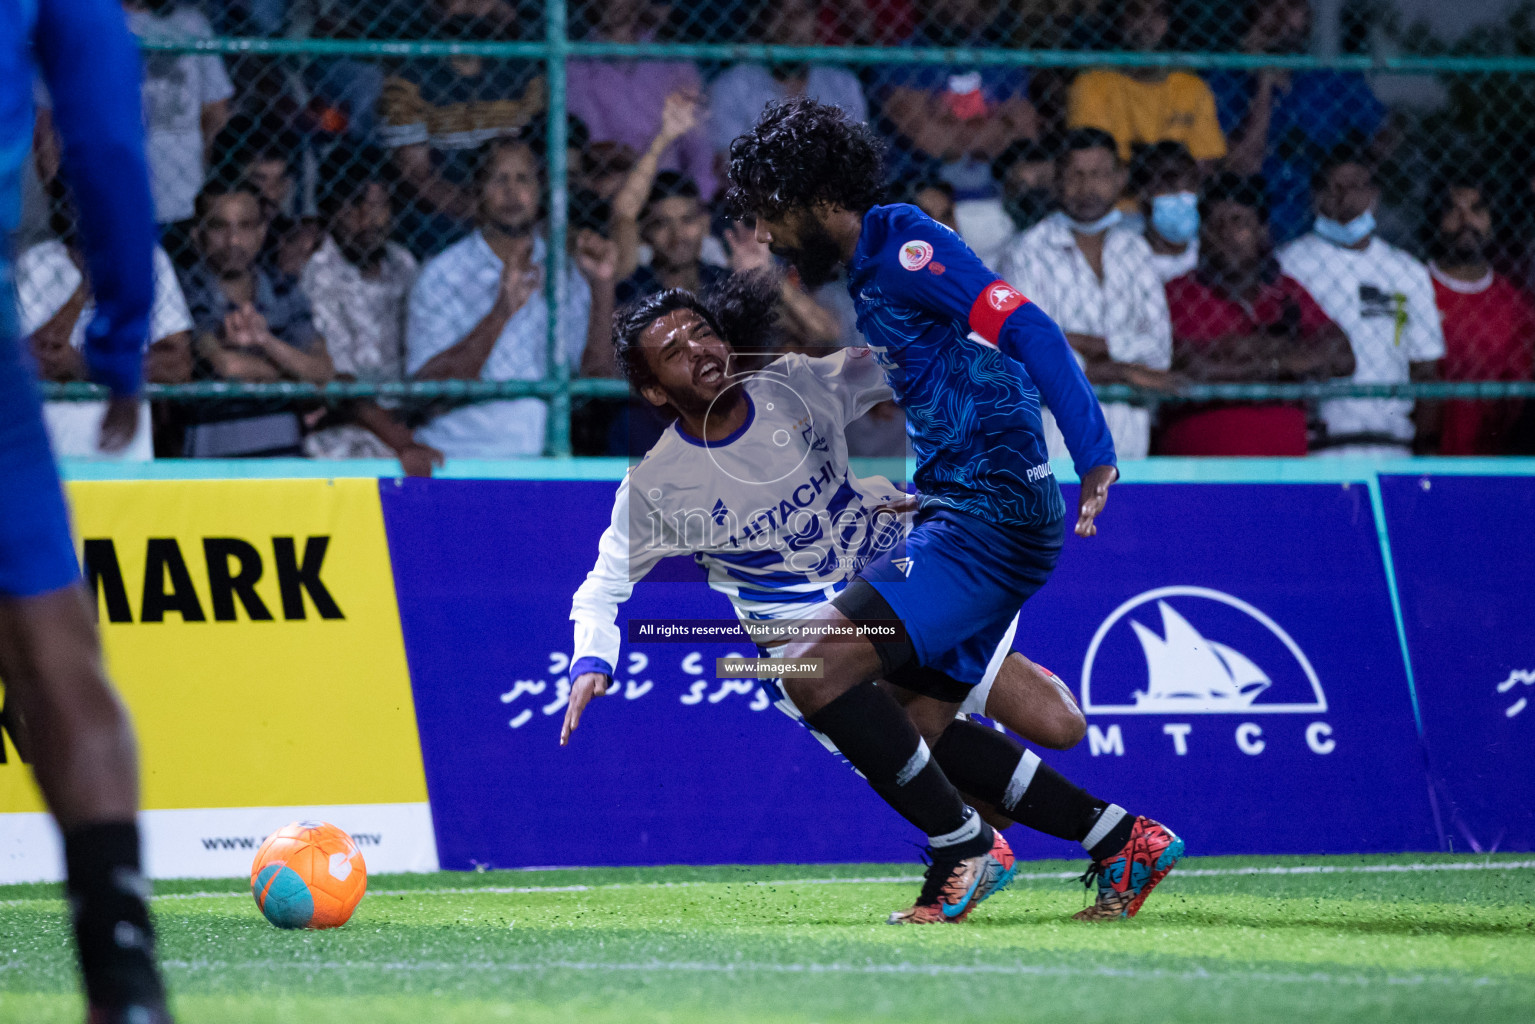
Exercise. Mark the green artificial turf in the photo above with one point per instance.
(798, 943)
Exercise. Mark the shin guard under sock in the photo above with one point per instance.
(107, 895)
(992, 766)
(876, 736)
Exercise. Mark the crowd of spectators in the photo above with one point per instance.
(378, 220)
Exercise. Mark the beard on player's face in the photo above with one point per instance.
(815, 254)
(690, 364)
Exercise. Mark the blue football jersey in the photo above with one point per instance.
(968, 358)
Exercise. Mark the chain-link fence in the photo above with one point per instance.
(1267, 227)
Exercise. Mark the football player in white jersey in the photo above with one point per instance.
(753, 480)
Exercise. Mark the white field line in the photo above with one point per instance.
(904, 968)
(1038, 876)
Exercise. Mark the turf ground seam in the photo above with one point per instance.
(1039, 876)
(903, 968)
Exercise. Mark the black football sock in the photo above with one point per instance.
(107, 895)
(877, 737)
(998, 769)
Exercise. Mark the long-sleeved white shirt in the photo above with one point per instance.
(771, 512)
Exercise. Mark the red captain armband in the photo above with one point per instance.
(992, 308)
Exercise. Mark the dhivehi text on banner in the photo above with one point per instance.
(1253, 695)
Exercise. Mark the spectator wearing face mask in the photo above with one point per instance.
(1165, 180)
(1096, 280)
(1384, 301)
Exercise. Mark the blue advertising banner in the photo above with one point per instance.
(1250, 694)
(1465, 570)
(1234, 651)
(677, 767)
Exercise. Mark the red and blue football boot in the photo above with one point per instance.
(1126, 878)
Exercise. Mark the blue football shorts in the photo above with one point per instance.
(36, 552)
(957, 583)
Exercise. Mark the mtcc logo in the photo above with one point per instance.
(1179, 651)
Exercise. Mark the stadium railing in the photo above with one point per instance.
(1450, 106)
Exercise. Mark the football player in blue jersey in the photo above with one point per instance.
(734, 435)
(968, 358)
(59, 705)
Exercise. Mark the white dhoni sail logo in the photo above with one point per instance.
(1188, 672)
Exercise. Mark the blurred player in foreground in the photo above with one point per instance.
(771, 445)
(75, 731)
(968, 358)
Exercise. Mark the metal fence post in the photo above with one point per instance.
(557, 437)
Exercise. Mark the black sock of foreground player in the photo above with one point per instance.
(994, 767)
(107, 894)
(877, 737)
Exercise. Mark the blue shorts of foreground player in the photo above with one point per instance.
(36, 553)
(957, 582)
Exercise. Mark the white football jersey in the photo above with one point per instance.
(771, 512)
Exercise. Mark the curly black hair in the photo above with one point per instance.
(741, 310)
(801, 153)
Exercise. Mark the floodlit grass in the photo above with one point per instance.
(796, 943)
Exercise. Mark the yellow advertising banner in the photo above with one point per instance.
(251, 627)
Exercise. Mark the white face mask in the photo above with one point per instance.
(1094, 227)
(1176, 217)
(1351, 233)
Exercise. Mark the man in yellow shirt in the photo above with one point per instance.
(1139, 106)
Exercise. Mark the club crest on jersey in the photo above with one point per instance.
(916, 254)
(1002, 297)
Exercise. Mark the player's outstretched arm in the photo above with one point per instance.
(594, 610)
(582, 689)
(92, 70)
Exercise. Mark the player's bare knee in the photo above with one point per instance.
(1067, 728)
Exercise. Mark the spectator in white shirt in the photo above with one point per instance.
(186, 102)
(357, 283)
(1384, 301)
(1097, 281)
(1164, 179)
(55, 305)
(477, 311)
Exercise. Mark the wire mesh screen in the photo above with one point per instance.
(370, 246)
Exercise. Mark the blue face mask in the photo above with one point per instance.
(1352, 233)
(1094, 227)
(1176, 217)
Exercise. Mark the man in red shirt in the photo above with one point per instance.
(1489, 324)
(1237, 318)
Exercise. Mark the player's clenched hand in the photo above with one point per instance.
(586, 686)
(1095, 492)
